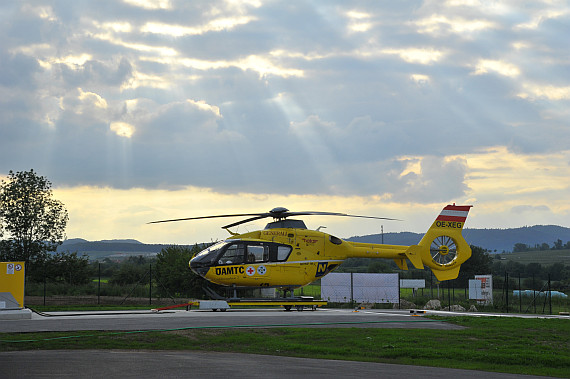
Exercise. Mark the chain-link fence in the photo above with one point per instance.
(142, 288)
(508, 294)
(511, 293)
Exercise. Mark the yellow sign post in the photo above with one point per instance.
(11, 285)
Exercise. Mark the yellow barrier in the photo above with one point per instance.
(12, 285)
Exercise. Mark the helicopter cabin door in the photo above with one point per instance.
(311, 245)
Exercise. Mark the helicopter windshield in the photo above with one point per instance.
(233, 255)
(207, 256)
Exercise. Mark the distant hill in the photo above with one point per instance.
(122, 241)
(113, 249)
(499, 240)
(490, 239)
(72, 241)
(77, 241)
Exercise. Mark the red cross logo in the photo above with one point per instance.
(250, 271)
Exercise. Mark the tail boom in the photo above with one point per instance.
(442, 248)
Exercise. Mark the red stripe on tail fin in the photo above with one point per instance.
(457, 213)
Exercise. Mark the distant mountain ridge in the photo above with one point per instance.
(75, 241)
(498, 240)
(110, 246)
(490, 239)
(114, 249)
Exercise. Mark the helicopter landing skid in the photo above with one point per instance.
(288, 303)
(299, 303)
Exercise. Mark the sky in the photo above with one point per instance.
(144, 110)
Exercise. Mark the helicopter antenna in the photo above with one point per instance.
(321, 227)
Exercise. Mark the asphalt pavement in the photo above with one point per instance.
(148, 320)
(174, 364)
(178, 364)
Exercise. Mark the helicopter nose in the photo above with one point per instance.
(198, 268)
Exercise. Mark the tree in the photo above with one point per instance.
(379, 266)
(131, 271)
(480, 263)
(533, 269)
(556, 271)
(32, 222)
(62, 268)
(520, 247)
(173, 274)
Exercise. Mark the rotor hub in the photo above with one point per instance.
(279, 213)
(443, 250)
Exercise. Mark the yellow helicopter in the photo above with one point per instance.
(287, 255)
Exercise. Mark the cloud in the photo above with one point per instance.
(416, 55)
(18, 71)
(122, 129)
(549, 92)
(441, 24)
(530, 208)
(389, 100)
(438, 180)
(95, 73)
(502, 68)
(214, 25)
(150, 4)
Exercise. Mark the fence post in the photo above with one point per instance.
(99, 287)
(352, 289)
(549, 296)
(399, 291)
(45, 280)
(507, 291)
(520, 294)
(150, 284)
(449, 294)
(533, 294)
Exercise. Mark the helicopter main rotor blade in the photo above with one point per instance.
(310, 213)
(246, 221)
(276, 213)
(204, 217)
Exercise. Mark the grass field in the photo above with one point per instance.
(520, 346)
(544, 257)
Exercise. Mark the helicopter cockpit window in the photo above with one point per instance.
(283, 252)
(257, 253)
(233, 255)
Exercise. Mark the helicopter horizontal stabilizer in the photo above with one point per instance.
(413, 253)
(401, 263)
